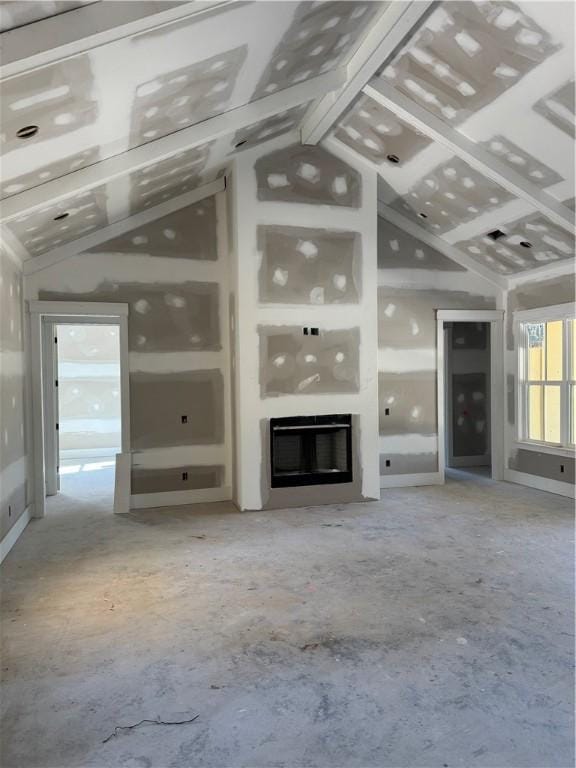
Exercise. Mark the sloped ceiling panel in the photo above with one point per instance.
(502, 74)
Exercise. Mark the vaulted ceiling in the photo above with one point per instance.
(465, 108)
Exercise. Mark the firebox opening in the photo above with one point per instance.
(310, 450)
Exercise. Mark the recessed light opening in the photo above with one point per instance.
(61, 216)
(393, 158)
(423, 215)
(27, 132)
(496, 234)
(525, 244)
(240, 143)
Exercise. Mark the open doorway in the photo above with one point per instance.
(81, 405)
(467, 397)
(87, 425)
(470, 392)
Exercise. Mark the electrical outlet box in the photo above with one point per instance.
(305, 331)
(314, 331)
(387, 412)
(184, 419)
(387, 462)
(184, 475)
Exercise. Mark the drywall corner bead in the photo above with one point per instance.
(302, 265)
(302, 174)
(292, 363)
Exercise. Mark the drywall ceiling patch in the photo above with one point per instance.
(17, 184)
(184, 97)
(302, 174)
(451, 194)
(168, 178)
(321, 36)
(558, 108)
(57, 98)
(530, 242)
(526, 165)
(189, 233)
(270, 128)
(42, 230)
(376, 133)
(466, 54)
(303, 265)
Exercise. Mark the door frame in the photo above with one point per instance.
(495, 318)
(76, 312)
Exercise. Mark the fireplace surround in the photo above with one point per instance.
(310, 450)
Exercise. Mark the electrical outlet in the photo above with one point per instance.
(305, 331)
(184, 419)
(184, 475)
(561, 467)
(387, 462)
(387, 412)
(314, 331)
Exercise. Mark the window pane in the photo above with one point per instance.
(535, 412)
(573, 412)
(573, 337)
(554, 350)
(535, 334)
(552, 414)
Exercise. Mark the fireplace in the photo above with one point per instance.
(310, 450)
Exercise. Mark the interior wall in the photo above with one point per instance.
(414, 281)
(89, 412)
(13, 442)
(533, 295)
(467, 354)
(305, 228)
(173, 273)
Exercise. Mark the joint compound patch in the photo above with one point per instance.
(294, 364)
(309, 266)
(313, 175)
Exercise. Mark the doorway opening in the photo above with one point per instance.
(470, 393)
(88, 412)
(467, 397)
(80, 401)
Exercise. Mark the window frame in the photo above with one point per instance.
(565, 313)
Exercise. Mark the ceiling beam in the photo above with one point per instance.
(12, 245)
(440, 245)
(154, 151)
(436, 129)
(394, 24)
(81, 29)
(561, 268)
(118, 228)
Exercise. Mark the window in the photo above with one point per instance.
(547, 376)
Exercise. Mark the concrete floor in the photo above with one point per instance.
(434, 628)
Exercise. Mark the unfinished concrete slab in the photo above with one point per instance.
(432, 628)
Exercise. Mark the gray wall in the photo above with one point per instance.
(173, 277)
(414, 281)
(13, 469)
(533, 295)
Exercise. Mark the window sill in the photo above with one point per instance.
(556, 450)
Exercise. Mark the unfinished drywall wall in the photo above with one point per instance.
(173, 274)
(304, 243)
(521, 458)
(13, 448)
(414, 281)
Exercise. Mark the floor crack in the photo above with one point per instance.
(152, 722)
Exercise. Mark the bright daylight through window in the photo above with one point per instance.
(547, 377)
